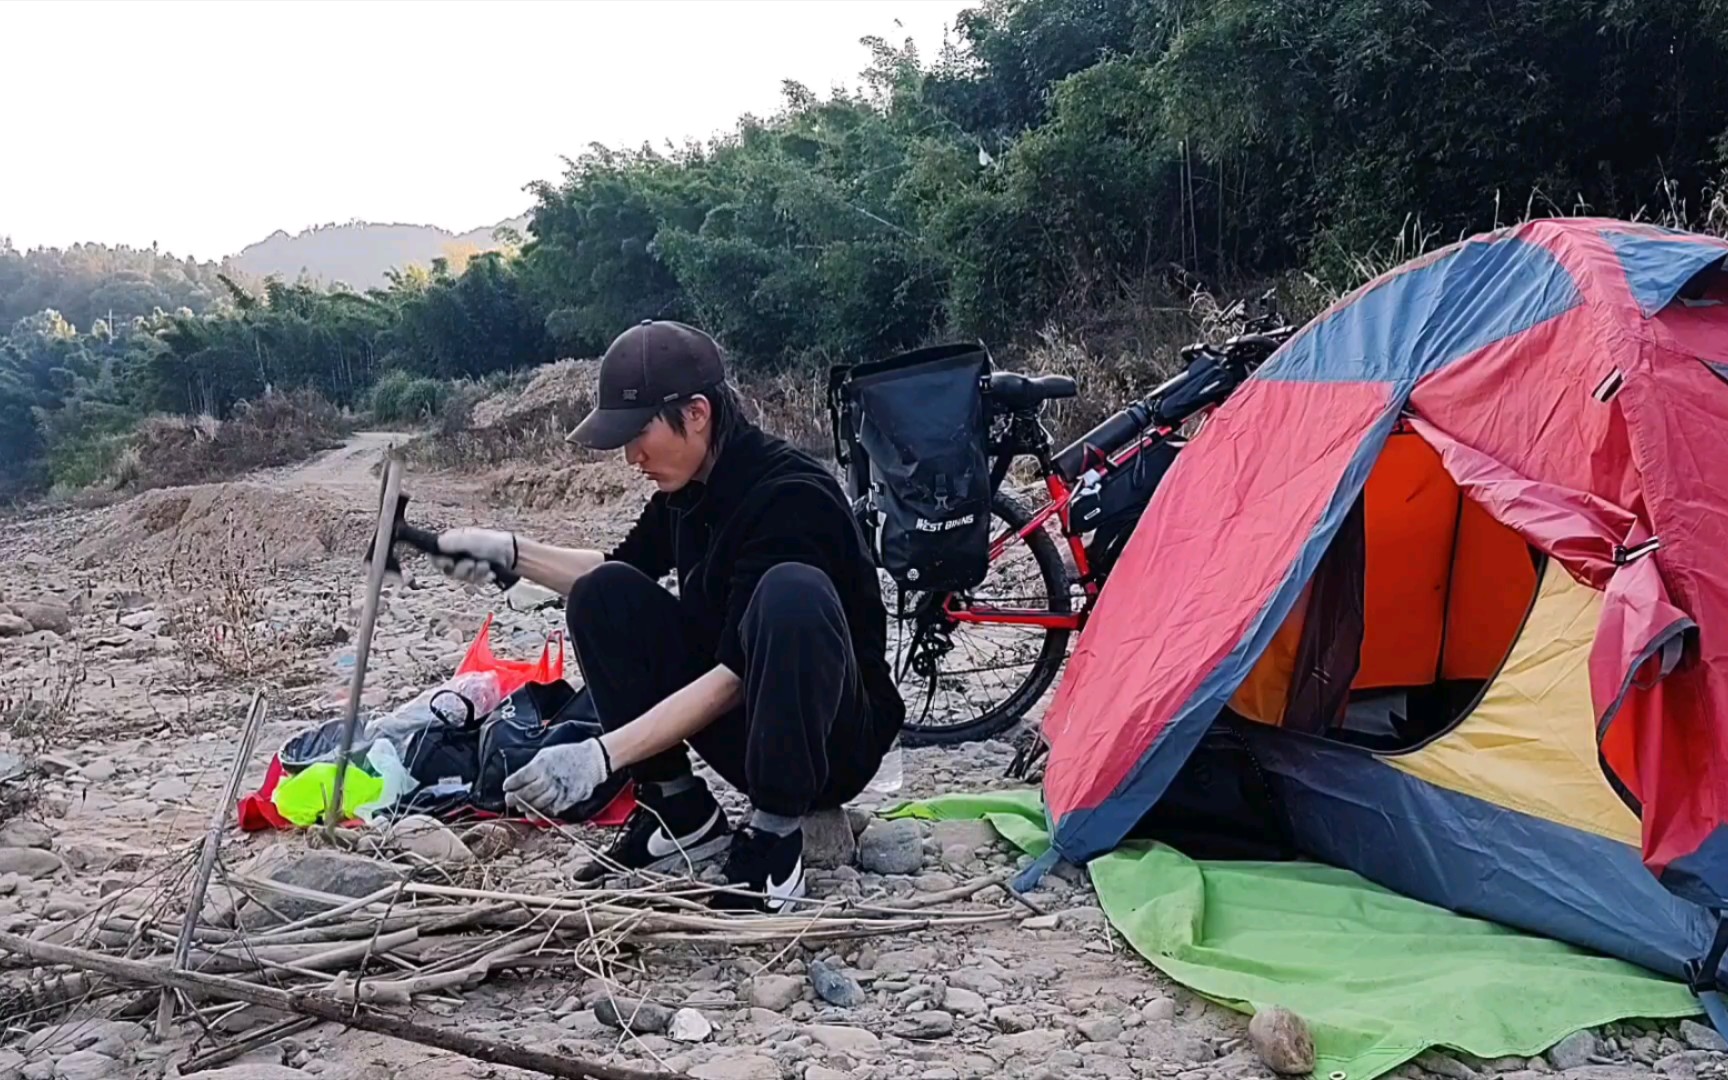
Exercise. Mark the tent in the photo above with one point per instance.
(1456, 559)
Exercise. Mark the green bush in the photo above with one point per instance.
(401, 398)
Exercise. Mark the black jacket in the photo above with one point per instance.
(764, 502)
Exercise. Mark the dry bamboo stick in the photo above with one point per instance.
(334, 913)
(309, 956)
(294, 1025)
(382, 540)
(400, 991)
(563, 1066)
(207, 857)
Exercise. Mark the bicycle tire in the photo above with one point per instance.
(1053, 570)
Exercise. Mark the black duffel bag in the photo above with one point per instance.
(535, 717)
(920, 422)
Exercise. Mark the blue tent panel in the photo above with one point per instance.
(1417, 321)
(1658, 269)
(1469, 855)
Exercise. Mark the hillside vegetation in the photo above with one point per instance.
(1069, 170)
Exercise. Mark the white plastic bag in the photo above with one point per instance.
(472, 694)
(383, 759)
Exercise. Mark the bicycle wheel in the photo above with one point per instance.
(967, 681)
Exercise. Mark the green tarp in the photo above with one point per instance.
(1378, 976)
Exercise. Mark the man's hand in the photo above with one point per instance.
(474, 555)
(559, 777)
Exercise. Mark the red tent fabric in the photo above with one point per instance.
(1573, 376)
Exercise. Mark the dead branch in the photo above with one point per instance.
(324, 1008)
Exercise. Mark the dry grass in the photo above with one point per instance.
(227, 629)
(33, 722)
(280, 429)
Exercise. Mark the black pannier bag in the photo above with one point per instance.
(1112, 511)
(921, 426)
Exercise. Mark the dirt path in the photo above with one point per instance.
(349, 468)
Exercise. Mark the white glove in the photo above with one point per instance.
(559, 777)
(471, 555)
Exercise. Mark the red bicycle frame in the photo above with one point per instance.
(961, 610)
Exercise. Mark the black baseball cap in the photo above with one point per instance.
(646, 367)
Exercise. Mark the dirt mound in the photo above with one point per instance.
(235, 526)
(563, 392)
(599, 484)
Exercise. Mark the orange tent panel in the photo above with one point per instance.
(1493, 583)
(1411, 512)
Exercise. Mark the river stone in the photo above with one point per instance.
(22, 832)
(930, 1024)
(835, 986)
(335, 872)
(689, 1026)
(1036, 1045)
(913, 961)
(1684, 1065)
(259, 1071)
(738, 1064)
(1699, 1037)
(774, 992)
(845, 1040)
(28, 862)
(1574, 1051)
(641, 1018)
(963, 1001)
(44, 615)
(1282, 1040)
(1100, 1029)
(891, 847)
(110, 1037)
(13, 626)
(431, 839)
(85, 1065)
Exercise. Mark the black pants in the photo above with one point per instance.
(803, 738)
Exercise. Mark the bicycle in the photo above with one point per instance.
(1030, 632)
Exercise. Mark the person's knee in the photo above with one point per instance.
(595, 593)
(794, 596)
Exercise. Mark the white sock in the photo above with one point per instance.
(778, 824)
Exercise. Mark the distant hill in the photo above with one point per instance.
(359, 252)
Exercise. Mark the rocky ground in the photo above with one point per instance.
(131, 638)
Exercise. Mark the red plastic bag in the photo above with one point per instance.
(513, 675)
(256, 811)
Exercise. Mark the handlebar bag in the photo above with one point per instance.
(1208, 381)
(922, 426)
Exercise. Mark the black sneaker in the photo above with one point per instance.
(764, 872)
(669, 838)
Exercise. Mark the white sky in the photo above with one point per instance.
(206, 126)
